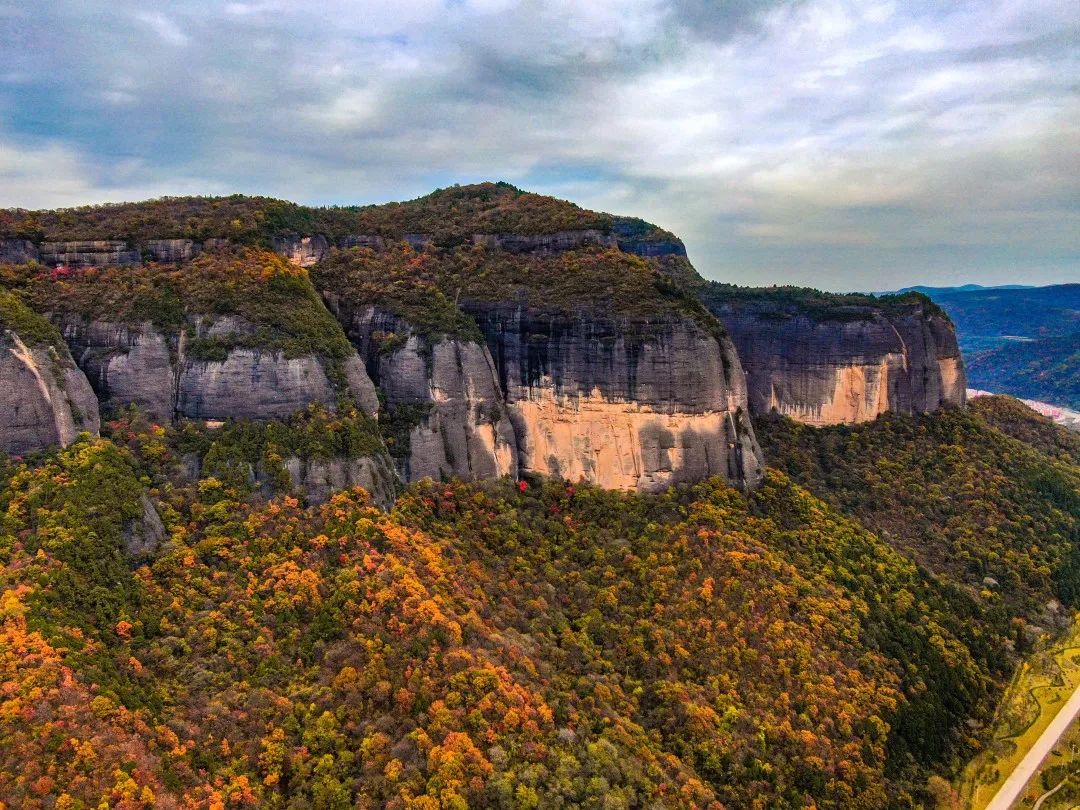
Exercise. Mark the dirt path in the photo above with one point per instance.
(1014, 786)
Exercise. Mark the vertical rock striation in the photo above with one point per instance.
(844, 364)
(45, 400)
(627, 404)
(441, 391)
(142, 365)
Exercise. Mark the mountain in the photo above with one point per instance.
(508, 332)
(1017, 340)
(463, 502)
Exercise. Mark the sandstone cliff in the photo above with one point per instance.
(628, 404)
(153, 369)
(45, 400)
(829, 361)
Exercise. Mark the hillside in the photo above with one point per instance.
(486, 646)
(476, 515)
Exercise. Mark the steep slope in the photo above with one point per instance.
(562, 378)
(605, 371)
(232, 334)
(45, 400)
(831, 359)
(482, 646)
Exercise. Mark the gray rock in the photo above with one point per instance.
(545, 244)
(45, 400)
(18, 251)
(466, 431)
(361, 240)
(848, 368)
(144, 535)
(302, 250)
(138, 364)
(321, 478)
(125, 364)
(172, 250)
(89, 253)
(252, 384)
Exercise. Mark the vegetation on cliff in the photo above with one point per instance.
(271, 303)
(428, 289)
(32, 328)
(786, 301)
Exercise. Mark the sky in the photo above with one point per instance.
(839, 144)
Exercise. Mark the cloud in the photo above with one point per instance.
(830, 142)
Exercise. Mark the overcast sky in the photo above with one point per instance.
(842, 145)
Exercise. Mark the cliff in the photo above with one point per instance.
(564, 356)
(232, 334)
(825, 359)
(45, 400)
(445, 413)
(625, 403)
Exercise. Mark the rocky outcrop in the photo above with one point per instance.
(308, 250)
(45, 401)
(635, 405)
(319, 478)
(302, 250)
(141, 365)
(844, 366)
(459, 424)
(545, 244)
(18, 251)
(89, 253)
(126, 364)
(143, 535)
(935, 366)
(172, 250)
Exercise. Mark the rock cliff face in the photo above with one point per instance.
(318, 479)
(623, 404)
(89, 253)
(846, 366)
(443, 392)
(139, 364)
(45, 400)
(18, 251)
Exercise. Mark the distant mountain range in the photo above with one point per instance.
(1017, 339)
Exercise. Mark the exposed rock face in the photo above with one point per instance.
(138, 364)
(308, 250)
(45, 400)
(251, 384)
(321, 478)
(144, 534)
(850, 367)
(628, 405)
(302, 250)
(125, 364)
(96, 253)
(462, 427)
(935, 367)
(172, 250)
(18, 251)
(631, 240)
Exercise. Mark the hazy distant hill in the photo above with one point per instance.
(1023, 341)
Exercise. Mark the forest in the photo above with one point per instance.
(542, 644)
